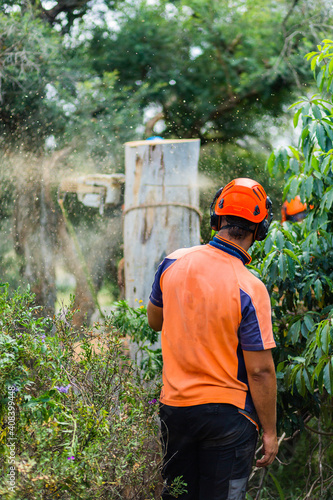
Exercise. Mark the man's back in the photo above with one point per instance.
(208, 295)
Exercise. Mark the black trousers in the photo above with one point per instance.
(211, 446)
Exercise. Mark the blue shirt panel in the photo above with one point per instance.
(249, 330)
(242, 376)
(156, 292)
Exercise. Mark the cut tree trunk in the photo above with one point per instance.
(161, 210)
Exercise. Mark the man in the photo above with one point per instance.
(218, 371)
(294, 210)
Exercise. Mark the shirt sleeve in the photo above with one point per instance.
(156, 296)
(255, 331)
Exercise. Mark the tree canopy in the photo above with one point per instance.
(214, 68)
(204, 69)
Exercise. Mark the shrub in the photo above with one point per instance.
(77, 421)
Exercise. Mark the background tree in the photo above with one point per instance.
(51, 126)
(216, 68)
(295, 262)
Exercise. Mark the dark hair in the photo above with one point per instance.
(237, 227)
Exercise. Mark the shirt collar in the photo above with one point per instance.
(230, 248)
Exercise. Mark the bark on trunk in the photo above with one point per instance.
(161, 210)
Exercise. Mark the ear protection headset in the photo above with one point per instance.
(245, 199)
(215, 220)
(263, 226)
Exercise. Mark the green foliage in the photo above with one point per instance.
(85, 425)
(134, 324)
(295, 263)
(295, 259)
(90, 88)
(214, 68)
(178, 487)
(48, 91)
(27, 46)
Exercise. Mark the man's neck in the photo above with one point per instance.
(245, 243)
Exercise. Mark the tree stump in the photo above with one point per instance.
(161, 211)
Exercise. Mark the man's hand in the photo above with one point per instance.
(270, 449)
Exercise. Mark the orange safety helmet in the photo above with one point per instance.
(294, 210)
(243, 198)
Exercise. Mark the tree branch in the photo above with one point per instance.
(321, 433)
(63, 6)
(149, 129)
(232, 103)
(284, 22)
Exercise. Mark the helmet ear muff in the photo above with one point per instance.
(263, 226)
(215, 220)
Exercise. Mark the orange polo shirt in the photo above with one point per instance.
(213, 309)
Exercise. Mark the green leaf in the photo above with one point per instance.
(267, 260)
(282, 262)
(316, 112)
(300, 383)
(325, 166)
(280, 366)
(305, 133)
(294, 331)
(309, 323)
(328, 125)
(329, 199)
(321, 136)
(309, 186)
(294, 165)
(314, 62)
(320, 77)
(307, 380)
(270, 162)
(330, 66)
(279, 240)
(328, 377)
(294, 187)
(318, 369)
(292, 255)
(277, 485)
(291, 268)
(296, 117)
(329, 81)
(325, 338)
(318, 289)
(268, 244)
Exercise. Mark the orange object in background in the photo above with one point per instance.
(294, 210)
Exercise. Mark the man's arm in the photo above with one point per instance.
(155, 316)
(262, 382)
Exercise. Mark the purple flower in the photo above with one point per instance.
(61, 388)
(71, 458)
(152, 402)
